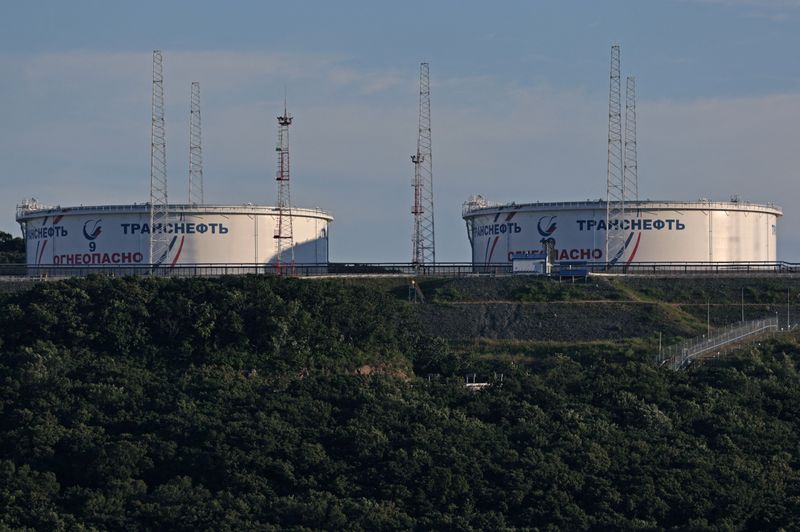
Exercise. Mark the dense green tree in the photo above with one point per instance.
(12, 249)
(11, 244)
(236, 404)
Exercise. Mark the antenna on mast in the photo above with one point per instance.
(424, 249)
(284, 237)
(159, 206)
(195, 149)
(615, 182)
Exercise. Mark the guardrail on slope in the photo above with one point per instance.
(680, 356)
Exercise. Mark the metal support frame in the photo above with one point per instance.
(622, 179)
(631, 168)
(615, 185)
(423, 240)
(159, 204)
(284, 237)
(196, 196)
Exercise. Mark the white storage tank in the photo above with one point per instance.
(111, 235)
(651, 231)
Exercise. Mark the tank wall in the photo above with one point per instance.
(657, 235)
(213, 238)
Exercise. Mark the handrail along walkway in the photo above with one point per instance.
(681, 355)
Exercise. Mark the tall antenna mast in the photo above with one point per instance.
(615, 184)
(424, 249)
(195, 149)
(159, 206)
(631, 169)
(283, 231)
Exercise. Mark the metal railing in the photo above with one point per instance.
(38, 210)
(680, 356)
(453, 269)
(689, 267)
(469, 208)
(443, 269)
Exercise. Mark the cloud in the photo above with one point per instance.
(744, 145)
(764, 4)
(367, 82)
(719, 148)
(778, 11)
(77, 132)
(775, 11)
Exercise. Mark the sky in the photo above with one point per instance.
(519, 102)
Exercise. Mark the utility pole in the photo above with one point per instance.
(159, 204)
(659, 347)
(742, 304)
(424, 246)
(708, 318)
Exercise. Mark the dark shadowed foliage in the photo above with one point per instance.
(238, 404)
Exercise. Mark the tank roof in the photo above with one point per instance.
(33, 209)
(478, 205)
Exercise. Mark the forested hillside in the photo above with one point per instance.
(242, 403)
(12, 249)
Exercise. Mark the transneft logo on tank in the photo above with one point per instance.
(175, 228)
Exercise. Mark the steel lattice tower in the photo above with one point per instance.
(195, 149)
(424, 249)
(159, 206)
(631, 169)
(615, 184)
(283, 231)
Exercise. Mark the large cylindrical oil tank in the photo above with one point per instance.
(197, 234)
(649, 231)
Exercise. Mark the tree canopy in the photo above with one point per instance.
(12, 249)
(241, 403)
